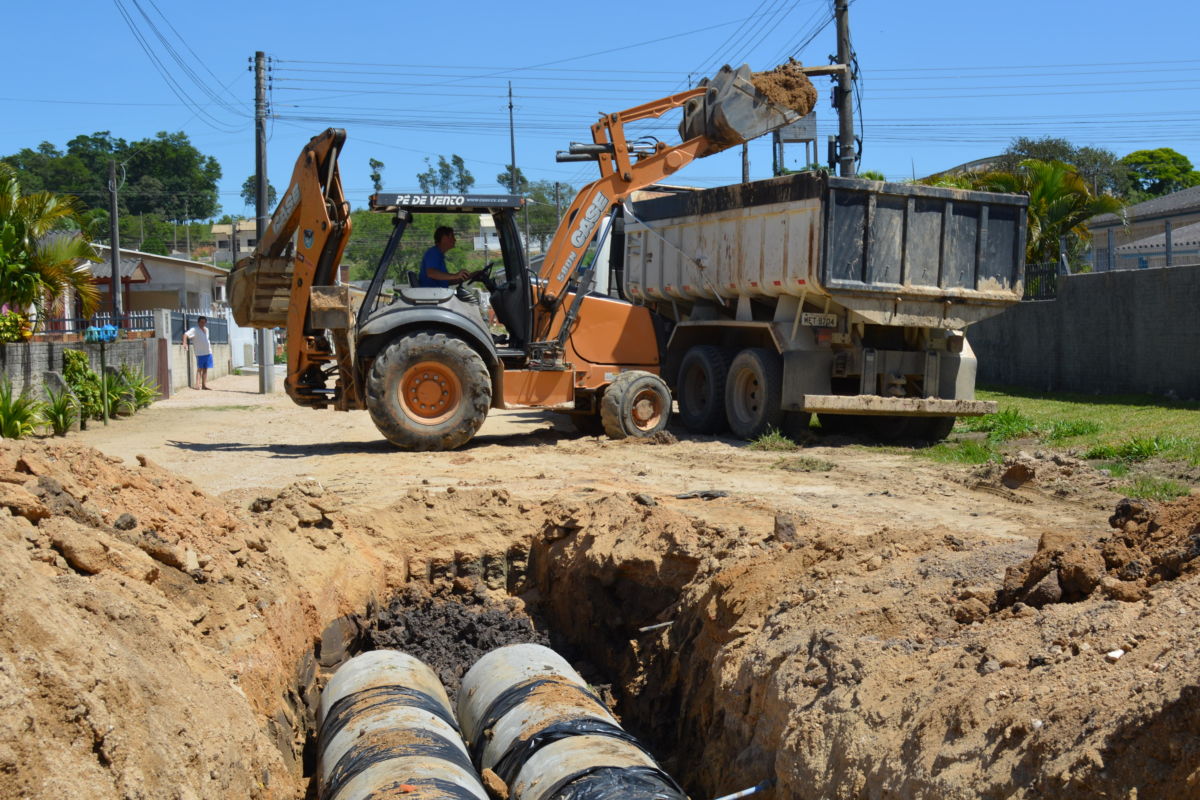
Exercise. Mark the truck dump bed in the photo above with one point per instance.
(887, 253)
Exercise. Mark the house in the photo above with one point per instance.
(150, 281)
(1127, 242)
(247, 237)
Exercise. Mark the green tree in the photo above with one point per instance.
(41, 256)
(1161, 171)
(505, 179)
(446, 176)
(250, 192)
(1060, 204)
(163, 175)
(1099, 168)
(871, 175)
(544, 211)
(377, 173)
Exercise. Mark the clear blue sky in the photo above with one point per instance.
(943, 81)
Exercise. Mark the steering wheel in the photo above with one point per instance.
(484, 275)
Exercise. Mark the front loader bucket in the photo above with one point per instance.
(260, 289)
(734, 111)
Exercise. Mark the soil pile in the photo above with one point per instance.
(787, 86)
(1152, 544)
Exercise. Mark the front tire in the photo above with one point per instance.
(428, 391)
(637, 404)
(754, 392)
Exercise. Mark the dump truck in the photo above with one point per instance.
(812, 294)
(423, 361)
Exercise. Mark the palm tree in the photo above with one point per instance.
(1060, 204)
(40, 257)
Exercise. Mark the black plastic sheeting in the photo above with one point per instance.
(417, 743)
(512, 697)
(348, 707)
(618, 783)
(509, 765)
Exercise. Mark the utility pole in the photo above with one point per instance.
(847, 157)
(745, 162)
(557, 205)
(114, 244)
(512, 145)
(266, 343)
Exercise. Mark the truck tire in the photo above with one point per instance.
(936, 428)
(428, 391)
(700, 388)
(754, 392)
(636, 404)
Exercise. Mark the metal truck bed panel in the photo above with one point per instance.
(860, 242)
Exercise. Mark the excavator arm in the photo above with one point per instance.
(719, 114)
(290, 280)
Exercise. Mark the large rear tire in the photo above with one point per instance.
(701, 389)
(637, 404)
(754, 392)
(428, 391)
(935, 429)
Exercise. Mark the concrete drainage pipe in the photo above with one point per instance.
(386, 729)
(531, 719)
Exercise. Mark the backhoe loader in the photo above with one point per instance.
(424, 362)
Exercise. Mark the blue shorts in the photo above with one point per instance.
(204, 362)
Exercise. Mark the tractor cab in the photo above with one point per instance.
(507, 280)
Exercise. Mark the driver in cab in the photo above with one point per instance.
(433, 264)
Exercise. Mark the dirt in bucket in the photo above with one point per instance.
(787, 86)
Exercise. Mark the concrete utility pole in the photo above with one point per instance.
(847, 155)
(266, 337)
(114, 243)
(745, 162)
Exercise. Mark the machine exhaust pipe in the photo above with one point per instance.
(530, 718)
(386, 729)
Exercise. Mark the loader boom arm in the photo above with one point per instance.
(293, 260)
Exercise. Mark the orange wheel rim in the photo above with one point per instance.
(430, 392)
(646, 409)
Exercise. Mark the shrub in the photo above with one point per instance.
(84, 383)
(20, 414)
(60, 410)
(14, 327)
(144, 390)
(117, 395)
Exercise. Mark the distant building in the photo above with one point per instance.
(247, 238)
(150, 281)
(1138, 238)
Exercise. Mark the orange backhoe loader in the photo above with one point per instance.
(424, 361)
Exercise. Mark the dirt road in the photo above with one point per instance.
(233, 437)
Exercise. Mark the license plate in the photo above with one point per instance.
(819, 320)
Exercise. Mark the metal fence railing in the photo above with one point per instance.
(1041, 281)
(55, 327)
(218, 327)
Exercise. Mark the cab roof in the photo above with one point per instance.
(459, 203)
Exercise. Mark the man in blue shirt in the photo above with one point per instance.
(433, 264)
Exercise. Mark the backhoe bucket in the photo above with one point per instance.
(733, 111)
(259, 291)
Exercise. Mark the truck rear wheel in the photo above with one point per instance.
(428, 391)
(754, 392)
(636, 404)
(701, 389)
(936, 428)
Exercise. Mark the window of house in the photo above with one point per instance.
(223, 244)
(252, 242)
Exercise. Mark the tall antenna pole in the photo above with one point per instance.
(512, 145)
(266, 345)
(847, 157)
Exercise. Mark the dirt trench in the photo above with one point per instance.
(160, 642)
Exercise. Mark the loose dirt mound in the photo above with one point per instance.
(787, 86)
(1153, 544)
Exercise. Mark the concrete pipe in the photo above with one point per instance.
(386, 730)
(530, 718)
